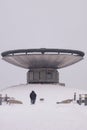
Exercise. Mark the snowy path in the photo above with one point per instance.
(46, 115)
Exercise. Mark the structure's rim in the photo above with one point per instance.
(42, 51)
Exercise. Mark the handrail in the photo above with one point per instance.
(43, 51)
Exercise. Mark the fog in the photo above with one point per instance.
(26, 24)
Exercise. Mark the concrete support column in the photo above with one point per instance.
(43, 75)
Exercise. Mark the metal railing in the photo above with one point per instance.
(43, 51)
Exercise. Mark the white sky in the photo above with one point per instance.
(28, 24)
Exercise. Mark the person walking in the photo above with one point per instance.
(33, 96)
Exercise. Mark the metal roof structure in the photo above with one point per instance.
(42, 58)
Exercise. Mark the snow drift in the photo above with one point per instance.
(46, 114)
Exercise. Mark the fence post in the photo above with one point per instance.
(80, 99)
(85, 99)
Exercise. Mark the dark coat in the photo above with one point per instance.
(33, 95)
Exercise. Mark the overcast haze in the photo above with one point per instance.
(26, 24)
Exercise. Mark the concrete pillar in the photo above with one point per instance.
(43, 75)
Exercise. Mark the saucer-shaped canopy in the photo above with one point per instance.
(42, 58)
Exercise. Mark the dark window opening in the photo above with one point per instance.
(49, 75)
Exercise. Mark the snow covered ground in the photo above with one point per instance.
(44, 115)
